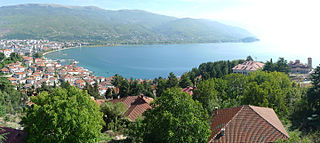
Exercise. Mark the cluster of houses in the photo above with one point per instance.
(29, 47)
(33, 73)
(295, 67)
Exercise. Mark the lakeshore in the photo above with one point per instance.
(151, 61)
(57, 50)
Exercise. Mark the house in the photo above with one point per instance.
(20, 68)
(19, 75)
(30, 80)
(13, 69)
(7, 52)
(80, 83)
(136, 105)
(53, 80)
(13, 80)
(37, 60)
(27, 86)
(188, 90)
(299, 68)
(246, 124)
(247, 67)
(5, 71)
(69, 78)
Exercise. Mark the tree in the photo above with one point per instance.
(2, 111)
(37, 55)
(114, 115)
(269, 66)
(108, 93)
(249, 58)
(11, 99)
(148, 91)
(63, 115)
(175, 117)
(161, 86)
(116, 80)
(185, 81)
(172, 81)
(2, 56)
(314, 100)
(207, 95)
(280, 66)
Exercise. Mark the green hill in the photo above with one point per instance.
(92, 24)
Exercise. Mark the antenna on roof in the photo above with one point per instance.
(216, 110)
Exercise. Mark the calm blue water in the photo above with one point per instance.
(150, 61)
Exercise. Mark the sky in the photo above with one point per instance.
(292, 25)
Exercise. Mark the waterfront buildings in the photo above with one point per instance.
(247, 67)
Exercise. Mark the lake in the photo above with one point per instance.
(150, 61)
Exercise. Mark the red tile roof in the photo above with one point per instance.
(246, 124)
(100, 101)
(188, 89)
(249, 66)
(12, 79)
(136, 105)
(4, 70)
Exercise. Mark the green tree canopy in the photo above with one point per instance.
(313, 98)
(2, 56)
(64, 115)
(280, 66)
(172, 81)
(176, 117)
(249, 58)
(113, 115)
(185, 81)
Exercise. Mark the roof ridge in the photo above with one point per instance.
(250, 106)
(229, 121)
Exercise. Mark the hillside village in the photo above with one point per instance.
(33, 73)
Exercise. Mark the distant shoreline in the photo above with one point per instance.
(115, 45)
(48, 52)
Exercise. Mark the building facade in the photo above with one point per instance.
(299, 68)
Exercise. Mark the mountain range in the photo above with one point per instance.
(96, 25)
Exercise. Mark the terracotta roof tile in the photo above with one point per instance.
(249, 65)
(136, 105)
(246, 124)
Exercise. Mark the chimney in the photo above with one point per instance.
(216, 110)
(222, 131)
(309, 62)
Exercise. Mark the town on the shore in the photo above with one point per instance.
(34, 72)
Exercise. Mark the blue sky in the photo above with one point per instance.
(286, 22)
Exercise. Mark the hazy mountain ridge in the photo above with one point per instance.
(57, 22)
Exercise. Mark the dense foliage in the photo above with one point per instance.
(114, 116)
(213, 69)
(259, 88)
(12, 100)
(280, 66)
(175, 117)
(14, 57)
(131, 87)
(63, 115)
